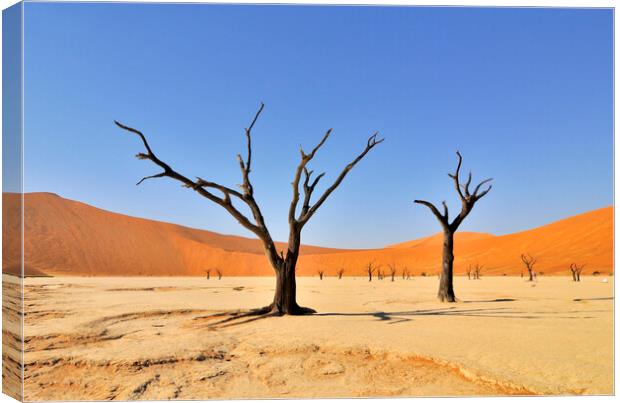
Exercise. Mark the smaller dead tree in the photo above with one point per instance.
(219, 274)
(321, 273)
(392, 268)
(379, 273)
(340, 273)
(477, 270)
(469, 270)
(208, 271)
(370, 270)
(576, 271)
(529, 261)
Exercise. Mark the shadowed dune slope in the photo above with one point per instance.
(65, 237)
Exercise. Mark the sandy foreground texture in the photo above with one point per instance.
(165, 338)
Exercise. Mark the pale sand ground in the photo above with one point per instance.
(156, 338)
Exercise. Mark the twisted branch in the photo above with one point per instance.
(467, 198)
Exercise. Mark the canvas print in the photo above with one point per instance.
(326, 201)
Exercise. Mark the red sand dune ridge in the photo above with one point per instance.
(65, 237)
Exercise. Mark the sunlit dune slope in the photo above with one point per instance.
(72, 238)
(68, 237)
(437, 239)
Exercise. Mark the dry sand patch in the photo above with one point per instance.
(87, 340)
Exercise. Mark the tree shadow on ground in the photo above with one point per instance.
(491, 300)
(594, 299)
(234, 318)
(504, 312)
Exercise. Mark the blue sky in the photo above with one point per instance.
(524, 94)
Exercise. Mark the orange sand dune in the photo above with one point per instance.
(437, 239)
(65, 237)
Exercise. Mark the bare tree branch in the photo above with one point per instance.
(200, 186)
(371, 143)
(443, 220)
(467, 199)
(245, 165)
(305, 159)
(160, 175)
(455, 176)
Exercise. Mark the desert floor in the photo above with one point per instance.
(164, 338)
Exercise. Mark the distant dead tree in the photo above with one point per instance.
(371, 268)
(468, 200)
(379, 273)
(477, 270)
(340, 273)
(468, 271)
(285, 297)
(208, 271)
(529, 261)
(392, 268)
(576, 271)
(219, 274)
(321, 273)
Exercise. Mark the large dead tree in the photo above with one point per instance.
(284, 301)
(529, 261)
(468, 200)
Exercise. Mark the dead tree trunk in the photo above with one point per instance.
(477, 271)
(469, 269)
(468, 200)
(576, 271)
(529, 261)
(392, 268)
(370, 269)
(219, 274)
(208, 274)
(340, 273)
(321, 273)
(284, 301)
